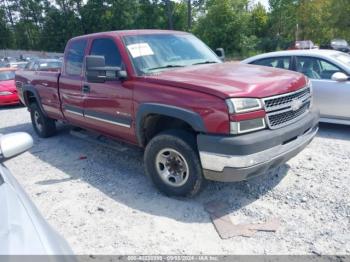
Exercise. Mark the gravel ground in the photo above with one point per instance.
(104, 204)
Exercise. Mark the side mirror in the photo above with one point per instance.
(98, 72)
(340, 77)
(220, 52)
(14, 144)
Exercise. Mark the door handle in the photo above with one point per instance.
(86, 89)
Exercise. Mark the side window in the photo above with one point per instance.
(316, 68)
(277, 62)
(75, 57)
(328, 69)
(107, 48)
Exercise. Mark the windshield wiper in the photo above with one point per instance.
(205, 62)
(164, 67)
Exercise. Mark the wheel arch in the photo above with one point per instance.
(178, 115)
(30, 95)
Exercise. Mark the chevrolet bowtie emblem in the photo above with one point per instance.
(296, 104)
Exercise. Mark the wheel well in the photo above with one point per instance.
(154, 124)
(29, 97)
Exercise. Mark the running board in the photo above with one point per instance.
(104, 141)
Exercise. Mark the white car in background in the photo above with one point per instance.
(23, 230)
(329, 72)
(18, 65)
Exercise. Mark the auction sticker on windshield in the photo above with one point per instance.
(140, 49)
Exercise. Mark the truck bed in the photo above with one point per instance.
(45, 84)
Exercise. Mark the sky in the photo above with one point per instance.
(264, 2)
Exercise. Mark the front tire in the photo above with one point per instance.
(172, 162)
(44, 127)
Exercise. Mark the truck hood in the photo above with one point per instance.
(7, 85)
(232, 80)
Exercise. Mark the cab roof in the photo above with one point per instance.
(130, 33)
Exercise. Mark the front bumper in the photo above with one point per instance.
(236, 158)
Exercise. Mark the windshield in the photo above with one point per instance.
(343, 58)
(7, 75)
(154, 53)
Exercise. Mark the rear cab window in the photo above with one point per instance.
(75, 57)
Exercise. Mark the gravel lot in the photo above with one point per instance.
(104, 204)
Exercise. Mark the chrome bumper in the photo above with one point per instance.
(229, 168)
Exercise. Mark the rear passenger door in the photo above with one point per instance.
(108, 106)
(282, 62)
(71, 82)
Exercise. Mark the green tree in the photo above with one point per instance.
(338, 18)
(259, 20)
(57, 29)
(283, 19)
(6, 39)
(225, 24)
(236, 25)
(180, 16)
(151, 14)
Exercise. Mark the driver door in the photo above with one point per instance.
(108, 105)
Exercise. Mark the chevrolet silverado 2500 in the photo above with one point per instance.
(197, 118)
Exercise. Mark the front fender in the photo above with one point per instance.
(191, 118)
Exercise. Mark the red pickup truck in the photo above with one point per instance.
(197, 118)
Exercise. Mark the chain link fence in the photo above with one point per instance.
(26, 54)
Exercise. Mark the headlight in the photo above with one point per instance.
(245, 105)
(5, 93)
(242, 105)
(309, 84)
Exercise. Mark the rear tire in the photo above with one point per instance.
(44, 127)
(172, 162)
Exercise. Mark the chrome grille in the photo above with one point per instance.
(285, 109)
(285, 117)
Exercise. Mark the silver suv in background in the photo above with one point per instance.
(340, 45)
